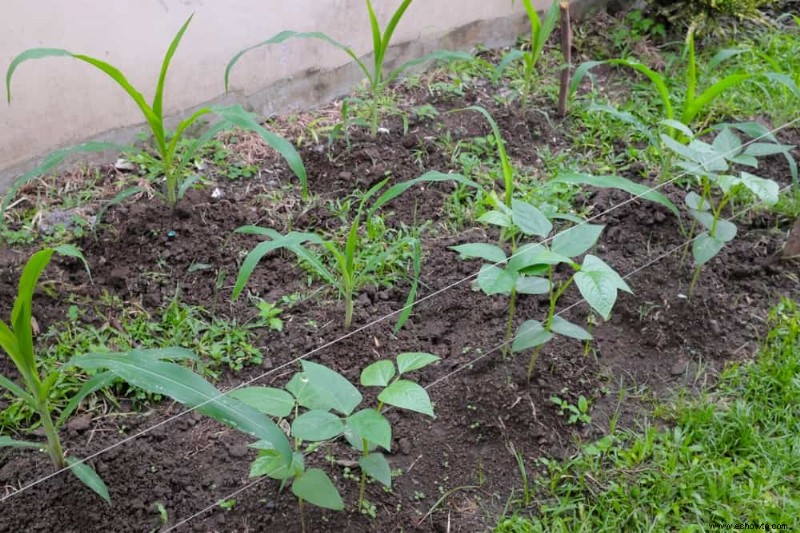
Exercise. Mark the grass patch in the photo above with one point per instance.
(730, 457)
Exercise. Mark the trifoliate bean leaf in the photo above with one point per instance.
(317, 425)
(371, 425)
(332, 387)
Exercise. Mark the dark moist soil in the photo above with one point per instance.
(458, 470)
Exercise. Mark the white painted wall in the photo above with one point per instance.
(60, 101)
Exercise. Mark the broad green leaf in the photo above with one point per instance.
(532, 285)
(598, 284)
(8, 442)
(534, 254)
(766, 190)
(618, 182)
(189, 389)
(530, 335)
(496, 280)
(568, 329)
(332, 387)
(378, 374)
(487, 252)
(705, 247)
(576, 240)
(315, 487)
(725, 230)
(410, 361)
(727, 142)
(407, 395)
(271, 464)
(89, 478)
(317, 425)
(267, 400)
(529, 219)
(371, 425)
(377, 467)
(496, 218)
(693, 201)
(304, 393)
(765, 149)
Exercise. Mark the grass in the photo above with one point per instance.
(730, 457)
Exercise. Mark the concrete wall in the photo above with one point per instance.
(59, 102)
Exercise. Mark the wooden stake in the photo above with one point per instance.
(566, 50)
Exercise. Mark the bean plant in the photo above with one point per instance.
(151, 370)
(376, 76)
(693, 106)
(351, 269)
(711, 167)
(175, 168)
(319, 405)
(531, 269)
(541, 29)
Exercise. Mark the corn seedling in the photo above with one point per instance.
(150, 370)
(328, 402)
(710, 165)
(351, 269)
(376, 75)
(541, 29)
(175, 167)
(694, 106)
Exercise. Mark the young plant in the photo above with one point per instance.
(175, 169)
(376, 76)
(531, 269)
(694, 106)
(710, 165)
(540, 33)
(321, 405)
(351, 269)
(150, 370)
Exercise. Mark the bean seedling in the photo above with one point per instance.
(329, 403)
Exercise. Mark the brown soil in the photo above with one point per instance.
(458, 470)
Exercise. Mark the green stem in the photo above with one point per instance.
(363, 484)
(510, 324)
(54, 448)
(302, 515)
(348, 309)
(695, 277)
(374, 111)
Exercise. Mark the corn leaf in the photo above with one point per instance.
(89, 478)
(618, 182)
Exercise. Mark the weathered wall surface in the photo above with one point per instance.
(59, 102)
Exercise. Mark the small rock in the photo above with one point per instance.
(383, 295)
(678, 369)
(80, 423)
(659, 217)
(237, 451)
(363, 300)
(383, 131)
(405, 446)
(267, 363)
(345, 176)
(714, 326)
(217, 193)
(124, 164)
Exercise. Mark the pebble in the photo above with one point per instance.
(80, 423)
(238, 451)
(405, 446)
(678, 369)
(714, 326)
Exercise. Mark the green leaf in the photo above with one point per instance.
(530, 335)
(693, 201)
(315, 487)
(267, 400)
(618, 182)
(159, 96)
(568, 329)
(317, 425)
(532, 285)
(271, 464)
(377, 467)
(378, 374)
(766, 190)
(534, 254)
(496, 280)
(304, 393)
(410, 361)
(529, 219)
(598, 284)
(416, 257)
(705, 247)
(407, 395)
(189, 389)
(757, 149)
(437, 55)
(495, 218)
(487, 252)
(576, 240)
(97, 382)
(8, 442)
(332, 388)
(70, 250)
(429, 177)
(725, 230)
(89, 478)
(371, 425)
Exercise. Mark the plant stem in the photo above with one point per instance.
(695, 277)
(302, 515)
(348, 309)
(374, 111)
(363, 484)
(54, 448)
(511, 310)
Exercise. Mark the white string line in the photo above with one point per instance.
(472, 362)
(381, 319)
